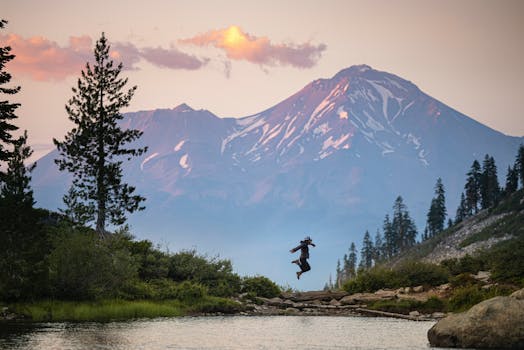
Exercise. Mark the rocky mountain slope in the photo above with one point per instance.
(476, 234)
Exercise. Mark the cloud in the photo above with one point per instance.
(42, 59)
(45, 60)
(172, 59)
(239, 45)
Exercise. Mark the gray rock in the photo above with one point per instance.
(519, 294)
(418, 289)
(414, 313)
(335, 302)
(493, 323)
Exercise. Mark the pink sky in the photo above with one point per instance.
(237, 58)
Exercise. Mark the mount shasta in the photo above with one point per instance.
(328, 162)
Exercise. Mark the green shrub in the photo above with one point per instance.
(81, 266)
(465, 264)
(403, 306)
(507, 261)
(433, 304)
(216, 304)
(215, 274)
(374, 279)
(189, 292)
(464, 298)
(420, 273)
(260, 286)
(462, 280)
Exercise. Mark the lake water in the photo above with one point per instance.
(231, 332)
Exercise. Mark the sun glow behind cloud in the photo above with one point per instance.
(240, 45)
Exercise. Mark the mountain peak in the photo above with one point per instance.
(183, 108)
(354, 70)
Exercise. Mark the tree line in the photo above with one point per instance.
(399, 233)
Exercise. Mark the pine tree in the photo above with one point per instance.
(462, 209)
(378, 248)
(16, 188)
(23, 244)
(339, 279)
(7, 110)
(519, 164)
(472, 189)
(489, 183)
(352, 262)
(94, 150)
(366, 253)
(512, 180)
(450, 223)
(390, 239)
(403, 227)
(437, 212)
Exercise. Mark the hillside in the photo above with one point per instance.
(489, 230)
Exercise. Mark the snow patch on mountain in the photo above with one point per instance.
(342, 114)
(179, 145)
(184, 161)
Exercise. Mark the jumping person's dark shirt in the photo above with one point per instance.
(304, 250)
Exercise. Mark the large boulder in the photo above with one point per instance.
(493, 323)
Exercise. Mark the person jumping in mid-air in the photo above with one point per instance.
(304, 255)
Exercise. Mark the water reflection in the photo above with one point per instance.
(221, 333)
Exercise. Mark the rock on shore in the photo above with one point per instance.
(493, 323)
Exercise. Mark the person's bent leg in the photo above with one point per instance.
(304, 265)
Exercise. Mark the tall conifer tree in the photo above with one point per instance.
(462, 209)
(489, 183)
(437, 211)
(7, 109)
(352, 262)
(366, 253)
(512, 180)
(94, 149)
(519, 164)
(472, 188)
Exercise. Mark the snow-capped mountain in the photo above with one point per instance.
(328, 161)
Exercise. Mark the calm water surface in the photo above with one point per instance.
(233, 332)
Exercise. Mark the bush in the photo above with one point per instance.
(81, 266)
(215, 274)
(190, 292)
(465, 264)
(462, 280)
(216, 304)
(373, 279)
(260, 286)
(464, 298)
(419, 273)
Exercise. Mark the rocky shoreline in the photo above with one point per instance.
(339, 303)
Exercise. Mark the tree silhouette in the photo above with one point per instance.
(94, 149)
(7, 109)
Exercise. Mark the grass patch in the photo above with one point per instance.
(105, 310)
(464, 298)
(110, 310)
(405, 306)
(212, 304)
